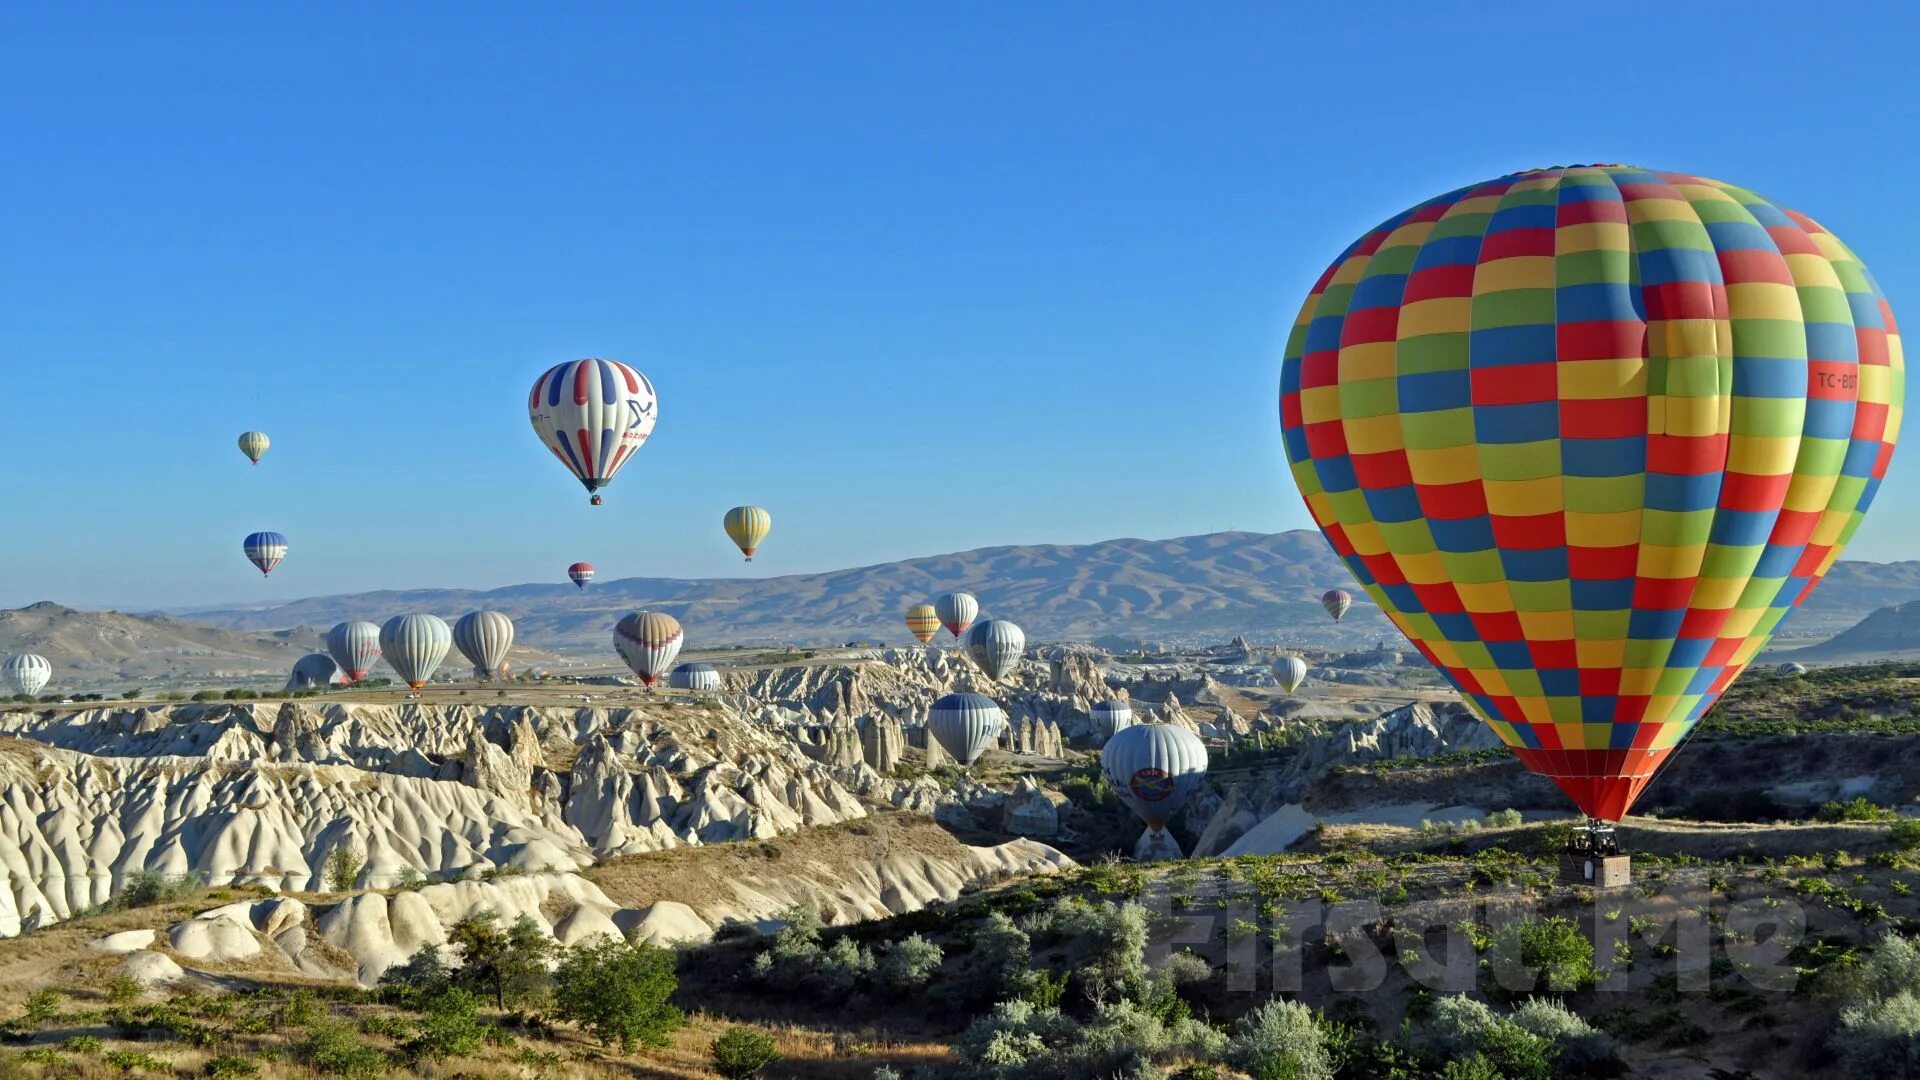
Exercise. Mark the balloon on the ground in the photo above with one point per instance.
(594, 415)
(747, 527)
(484, 637)
(1290, 671)
(354, 646)
(956, 611)
(1154, 768)
(966, 725)
(996, 645)
(580, 573)
(314, 670)
(265, 550)
(694, 677)
(26, 673)
(1585, 435)
(1791, 670)
(923, 622)
(254, 444)
(1110, 716)
(1336, 601)
(648, 641)
(414, 645)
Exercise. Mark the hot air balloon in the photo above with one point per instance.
(648, 641)
(593, 415)
(27, 673)
(1585, 435)
(747, 527)
(580, 573)
(996, 645)
(315, 669)
(1790, 670)
(414, 645)
(254, 444)
(923, 622)
(695, 677)
(265, 550)
(956, 611)
(484, 637)
(354, 646)
(1336, 601)
(1111, 716)
(1291, 671)
(1155, 769)
(966, 725)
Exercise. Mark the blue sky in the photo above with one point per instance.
(918, 278)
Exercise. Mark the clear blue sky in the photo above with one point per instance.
(917, 277)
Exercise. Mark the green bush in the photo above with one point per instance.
(509, 963)
(741, 1053)
(1554, 950)
(41, 1006)
(343, 869)
(1503, 819)
(1905, 833)
(1280, 1039)
(333, 1048)
(618, 991)
(229, 1067)
(144, 888)
(450, 1028)
(908, 964)
(1855, 809)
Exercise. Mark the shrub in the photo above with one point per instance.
(83, 1044)
(450, 1028)
(1554, 950)
(1855, 809)
(617, 991)
(130, 695)
(1905, 833)
(1579, 1049)
(1280, 1039)
(333, 1048)
(41, 1006)
(909, 963)
(741, 1053)
(424, 976)
(1503, 819)
(343, 869)
(1880, 1038)
(145, 888)
(510, 964)
(229, 1067)
(205, 695)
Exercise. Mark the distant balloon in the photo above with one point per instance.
(484, 637)
(314, 670)
(354, 646)
(1154, 768)
(414, 645)
(27, 673)
(923, 622)
(1337, 601)
(1111, 716)
(580, 573)
(966, 725)
(265, 550)
(957, 610)
(648, 641)
(996, 645)
(593, 415)
(1791, 670)
(254, 444)
(1291, 671)
(747, 527)
(695, 677)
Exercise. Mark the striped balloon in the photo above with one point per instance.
(580, 573)
(1111, 716)
(1155, 769)
(923, 622)
(414, 645)
(1291, 671)
(747, 527)
(593, 415)
(254, 444)
(648, 641)
(354, 646)
(1586, 435)
(314, 670)
(484, 637)
(1790, 670)
(704, 677)
(957, 610)
(966, 725)
(265, 550)
(1336, 601)
(996, 645)
(27, 673)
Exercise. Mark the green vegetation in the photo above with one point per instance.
(618, 991)
(741, 1053)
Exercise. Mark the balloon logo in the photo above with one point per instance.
(1586, 435)
(1151, 785)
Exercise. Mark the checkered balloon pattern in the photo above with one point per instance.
(1586, 435)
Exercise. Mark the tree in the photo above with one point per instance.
(618, 991)
(343, 869)
(741, 1053)
(509, 963)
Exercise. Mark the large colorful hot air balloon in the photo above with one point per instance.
(747, 527)
(484, 637)
(254, 444)
(1291, 671)
(1585, 435)
(26, 673)
(1336, 601)
(354, 646)
(414, 645)
(923, 622)
(648, 641)
(580, 573)
(996, 645)
(265, 550)
(957, 611)
(966, 725)
(593, 415)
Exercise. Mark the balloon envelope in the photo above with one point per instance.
(594, 415)
(966, 725)
(314, 669)
(648, 641)
(414, 645)
(695, 677)
(254, 444)
(484, 637)
(580, 573)
(923, 622)
(1154, 768)
(1110, 716)
(1791, 669)
(957, 611)
(1585, 435)
(1291, 671)
(1336, 601)
(265, 550)
(747, 527)
(26, 673)
(354, 646)
(996, 645)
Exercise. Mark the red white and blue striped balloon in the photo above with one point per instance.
(593, 415)
(265, 550)
(580, 573)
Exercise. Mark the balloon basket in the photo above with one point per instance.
(1593, 858)
(1157, 845)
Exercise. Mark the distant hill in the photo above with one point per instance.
(1887, 633)
(101, 648)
